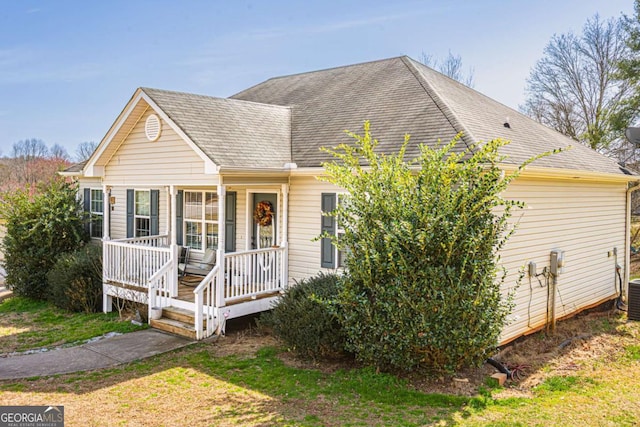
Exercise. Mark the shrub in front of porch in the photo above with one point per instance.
(42, 223)
(304, 321)
(75, 281)
(422, 286)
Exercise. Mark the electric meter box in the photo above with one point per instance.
(557, 262)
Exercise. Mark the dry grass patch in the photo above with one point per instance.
(587, 374)
(27, 324)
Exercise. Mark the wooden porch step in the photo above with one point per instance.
(174, 327)
(180, 314)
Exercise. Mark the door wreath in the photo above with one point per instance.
(263, 213)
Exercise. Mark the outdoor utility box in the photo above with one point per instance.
(633, 303)
(557, 262)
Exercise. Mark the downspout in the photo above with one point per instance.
(627, 251)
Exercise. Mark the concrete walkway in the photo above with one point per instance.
(100, 354)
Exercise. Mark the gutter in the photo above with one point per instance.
(627, 228)
(568, 174)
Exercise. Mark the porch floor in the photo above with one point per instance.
(188, 283)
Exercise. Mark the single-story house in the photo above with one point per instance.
(234, 180)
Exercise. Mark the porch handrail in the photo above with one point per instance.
(131, 262)
(205, 307)
(160, 287)
(254, 272)
(153, 241)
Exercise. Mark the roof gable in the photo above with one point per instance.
(225, 133)
(132, 113)
(232, 133)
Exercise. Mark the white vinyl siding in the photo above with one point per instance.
(584, 219)
(118, 217)
(304, 225)
(168, 161)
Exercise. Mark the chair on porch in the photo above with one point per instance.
(195, 268)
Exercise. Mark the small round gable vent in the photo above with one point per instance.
(152, 127)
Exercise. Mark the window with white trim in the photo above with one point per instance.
(142, 213)
(96, 209)
(201, 220)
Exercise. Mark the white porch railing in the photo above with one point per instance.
(255, 272)
(247, 275)
(160, 287)
(205, 304)
(148, 263)
(133, 261)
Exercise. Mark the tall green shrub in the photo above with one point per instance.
(423, 285)
(41, 224)
(75, 281)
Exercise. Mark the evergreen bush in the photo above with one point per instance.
(303, 320)
(423, 283)
(42, 223)
(75, 281)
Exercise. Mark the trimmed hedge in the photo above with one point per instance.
(75, 281)
(305, 321)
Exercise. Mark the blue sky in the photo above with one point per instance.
(67, 68)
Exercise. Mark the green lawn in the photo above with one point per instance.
(244, 379)
(27, 324)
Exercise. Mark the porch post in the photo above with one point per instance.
(171, 220)
(285, 237)
(285, 215)
(106, 212)
(107, 300)
(222, 191)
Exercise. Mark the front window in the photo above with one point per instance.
(96, 209)
(201, 220)
(142, 213)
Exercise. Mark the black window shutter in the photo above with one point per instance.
(179, 216)
(230, 222)
(86, 205)
(130, 212)
(154, 201)
(328, 225)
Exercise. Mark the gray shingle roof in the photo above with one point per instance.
(399, 96)
(232, 133)
(75, 168)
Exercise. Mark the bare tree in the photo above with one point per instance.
(629, 70)
(32, 162)
(451, 66)
(30, 149)
(26, 154)
(85, 150)
(58, 152)
(576, 89)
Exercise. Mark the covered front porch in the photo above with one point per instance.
(146, 269)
